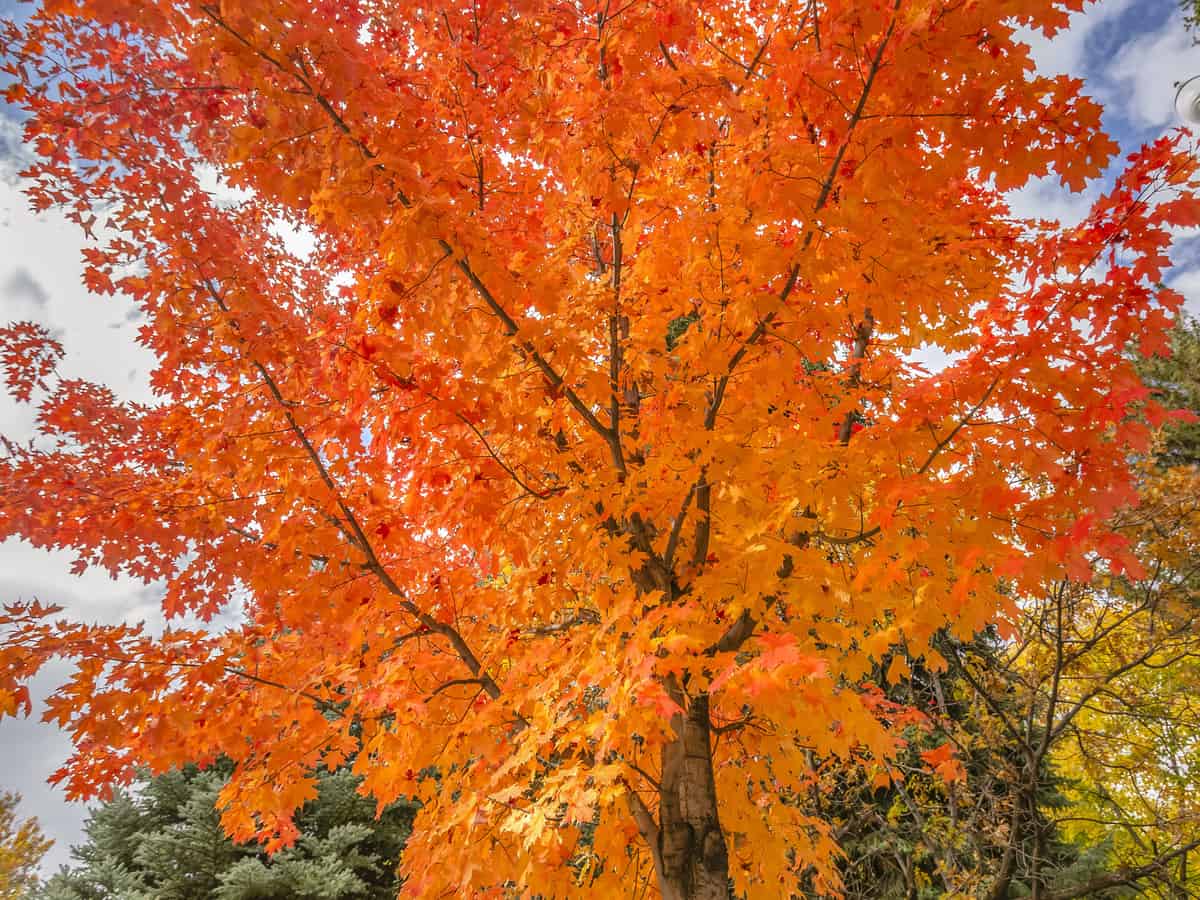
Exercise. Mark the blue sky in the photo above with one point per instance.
(1130, 52)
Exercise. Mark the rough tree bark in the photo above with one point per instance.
(691, 857)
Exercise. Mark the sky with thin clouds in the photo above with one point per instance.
(1130, 53)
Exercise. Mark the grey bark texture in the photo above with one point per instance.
(694, 860)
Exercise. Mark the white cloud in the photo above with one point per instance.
(299, 240)
(44, 250)
(1141, 78)
(1187, 282)
(13, 155)
(1067, 52)
(31, 751)
(1072, 52)
(214, 184)
(21, 287)
(1133, 71)
(1046, 198)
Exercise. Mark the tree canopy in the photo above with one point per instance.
(579, 472)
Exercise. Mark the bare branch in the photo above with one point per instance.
(647, 827)
(454, 682)
(1129, 875)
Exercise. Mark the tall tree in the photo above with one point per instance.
(1128, 650)
(22, 846)
(164, 841)
(584, 460)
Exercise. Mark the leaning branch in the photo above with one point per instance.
(648, 829)
(353, 530)
(1127, 876)
(511, 328)
(822, 199)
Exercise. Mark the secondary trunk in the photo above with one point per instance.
(692, 860)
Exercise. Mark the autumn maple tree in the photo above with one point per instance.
(575, 476)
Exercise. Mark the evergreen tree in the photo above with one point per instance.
(1175, 379)
(164, 841)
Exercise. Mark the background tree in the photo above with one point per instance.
(1077, 740)
(22, 846)
(1191, 13)
(1130, 652)
(164, 841)
(493, 512)
(937, 820)
(1104, 687)
(1175, 380)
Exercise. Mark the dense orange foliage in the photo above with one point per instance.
(586, 462)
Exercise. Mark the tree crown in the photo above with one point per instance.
(577, 476)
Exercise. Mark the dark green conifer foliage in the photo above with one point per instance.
(1176, 382)
(163, 841)
(914, 839)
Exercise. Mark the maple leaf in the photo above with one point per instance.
(29, 355)
(944, 762)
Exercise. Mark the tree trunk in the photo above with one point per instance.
(691, 857)
(1008, 863)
